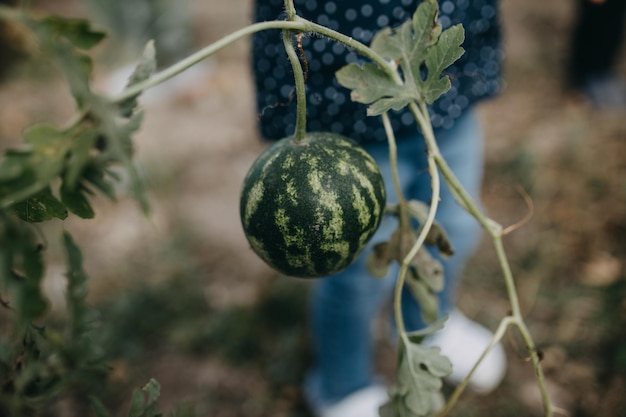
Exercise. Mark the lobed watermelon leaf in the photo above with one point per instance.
(419, 382)
(422, 51)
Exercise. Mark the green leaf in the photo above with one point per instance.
(77, 31)
(12, 166)
(431, 360)
(26, 291)
(98, 178)
(50, 146)
(144, 70)
(76, 201)
(147, 65)
(385, 43)
(439, 57)
(428, 269)
(40, 207)
(118, 136)
(153, 389)
(19, 188)
(41, 165)
(80, 154)
(26, 173)
(144, 401)
(368, 83)
(427, 299)
(419, 376)
(76, 288)
(421, 50)
(21, 267)
(410, 41)
(77, 69)
(63, 39)
(392, 103)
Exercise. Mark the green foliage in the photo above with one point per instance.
(65, 40)
(21, 269)
(59, 168)
(420, 369)
(54, 173)
(145, 68)
(421, 50)
(144, 403)
(46, 361)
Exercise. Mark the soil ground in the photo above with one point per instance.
(186, 302)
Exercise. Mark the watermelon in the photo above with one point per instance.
(309, 207)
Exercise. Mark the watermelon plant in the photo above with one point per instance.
(308, 205)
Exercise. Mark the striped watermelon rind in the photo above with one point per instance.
(309, 207)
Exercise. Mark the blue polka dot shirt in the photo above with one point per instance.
(474, 77)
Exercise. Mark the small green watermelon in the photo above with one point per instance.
(309, 207)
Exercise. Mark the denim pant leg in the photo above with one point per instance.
(344, 305)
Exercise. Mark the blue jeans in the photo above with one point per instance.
(344, 305)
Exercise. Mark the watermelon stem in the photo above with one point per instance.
(294, 23)
(298, 74)
(495, 231)
(290, 8)
(403, 213)
(299, 25)
(403, 218)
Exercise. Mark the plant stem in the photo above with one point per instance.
(403, 219)
(393, 161)
(521, 325)
(351, 43)
(495, 232)
(297, 25)
(403, 215)
(204, 53)
(497, 337)
(298, 74)
(290, 8)
(419, 242)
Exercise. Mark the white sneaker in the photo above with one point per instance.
(463, 341)
(362, 403)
